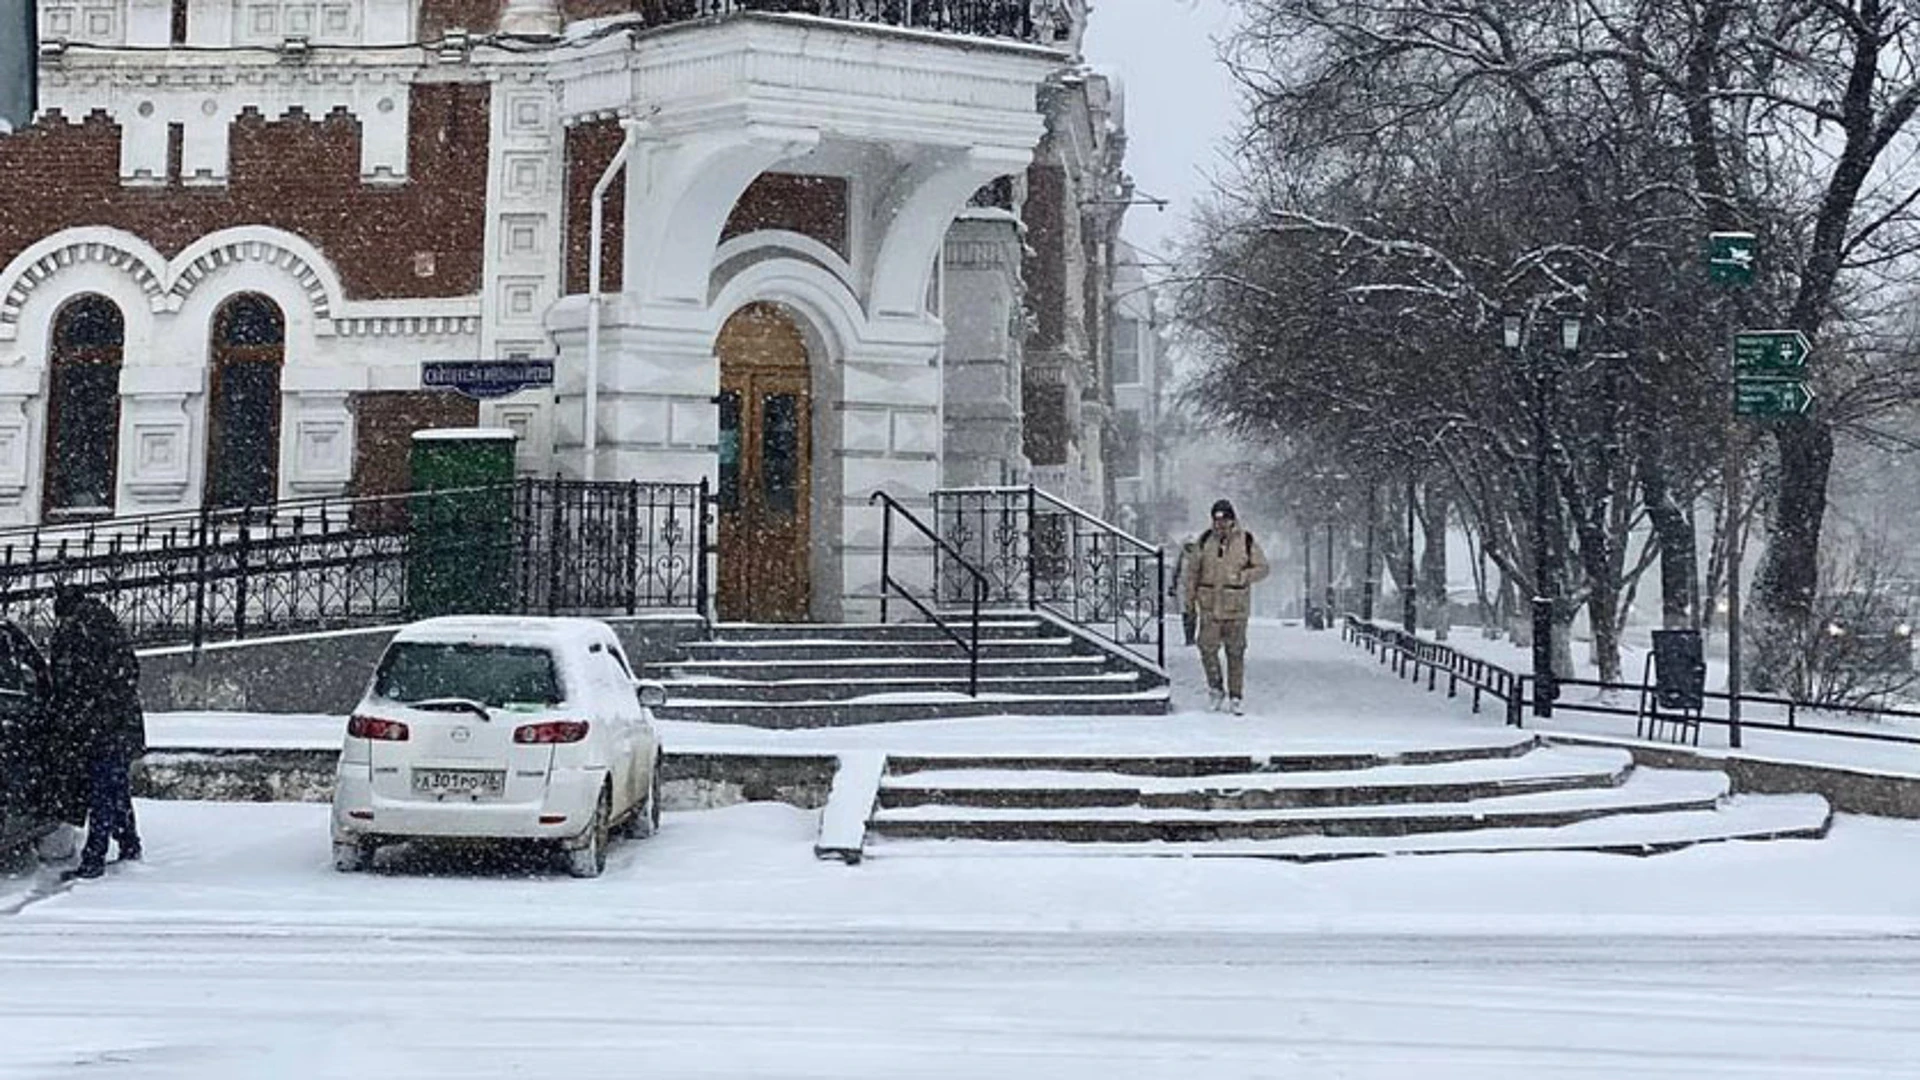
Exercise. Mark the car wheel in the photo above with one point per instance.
(352, 856)
(587, 856)
(646, 819)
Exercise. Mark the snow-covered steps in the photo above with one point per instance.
(1457, 781)
(1741, 817)
(1646, 791)
(1312, 806)
(891, 708)
(719, 687)
(809, 675)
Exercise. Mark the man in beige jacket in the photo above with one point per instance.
(1219, 575)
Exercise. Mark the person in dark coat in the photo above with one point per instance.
(96, 691)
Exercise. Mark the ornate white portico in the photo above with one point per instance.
(906, 125)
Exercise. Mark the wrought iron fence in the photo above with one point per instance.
(589, 546)
(981, 18)
(548, 546)
(1038, 552)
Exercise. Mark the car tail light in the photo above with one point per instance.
(552, 731)
(373, 727)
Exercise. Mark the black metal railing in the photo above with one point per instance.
(1040, 553)
(942, 553)
(1758, 712)
(979, 18)
(1415, 657)
(531, 546)
(1412, 657)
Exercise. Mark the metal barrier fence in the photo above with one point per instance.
(1787, 714)
(1414, 658)
(310, 564)
(1411, 657)
(1038, 552)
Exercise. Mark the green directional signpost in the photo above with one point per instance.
(1770, 373)
(1766, 373)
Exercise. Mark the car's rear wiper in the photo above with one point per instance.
(452, 704)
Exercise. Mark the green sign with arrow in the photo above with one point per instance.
(1730, 257)
(1771, 352)
(1771, 397)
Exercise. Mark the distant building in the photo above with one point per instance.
(1138, 453)
(844, 254)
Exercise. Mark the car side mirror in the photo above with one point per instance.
(652, 694)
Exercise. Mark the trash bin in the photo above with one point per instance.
(1679, 670)
(460, 513)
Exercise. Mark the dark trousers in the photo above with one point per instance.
(109, 812)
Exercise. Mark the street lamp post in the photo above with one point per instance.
(1409, 606)
(1327, 570)
(1546, 687)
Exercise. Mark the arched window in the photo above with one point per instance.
(83, 407)
(243, 403)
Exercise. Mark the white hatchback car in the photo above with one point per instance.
(483, 726)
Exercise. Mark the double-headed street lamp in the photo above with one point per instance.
(1513, 330)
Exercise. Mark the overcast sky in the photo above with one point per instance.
(1180, 102)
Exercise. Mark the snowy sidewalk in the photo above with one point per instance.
(1306, 692)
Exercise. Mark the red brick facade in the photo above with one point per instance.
(813, 206)
(589, 148)
(1045, 267)
(295, 173)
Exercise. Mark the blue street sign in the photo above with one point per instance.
(485, 379)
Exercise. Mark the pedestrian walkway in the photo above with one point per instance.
(1305, 691)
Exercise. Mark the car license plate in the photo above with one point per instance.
(474, 783)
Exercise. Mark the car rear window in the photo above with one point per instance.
(490, 674)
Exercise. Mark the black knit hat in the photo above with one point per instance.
(1222, 506)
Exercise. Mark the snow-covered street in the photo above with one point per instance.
(724, 948)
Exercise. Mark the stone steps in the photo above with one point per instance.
(881, 709)
(813, 649)
(998, 627)
(1520, 795)
(1647, 791)
(1740, 817)
(769, 690)
(1032, 789)
(821, 676)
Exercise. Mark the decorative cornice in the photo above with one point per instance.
(408, 326)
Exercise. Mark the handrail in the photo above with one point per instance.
(1793, 707)
(971, 644)
(1408, 655)
(1043, 553)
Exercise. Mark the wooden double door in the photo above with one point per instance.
(766, 468)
